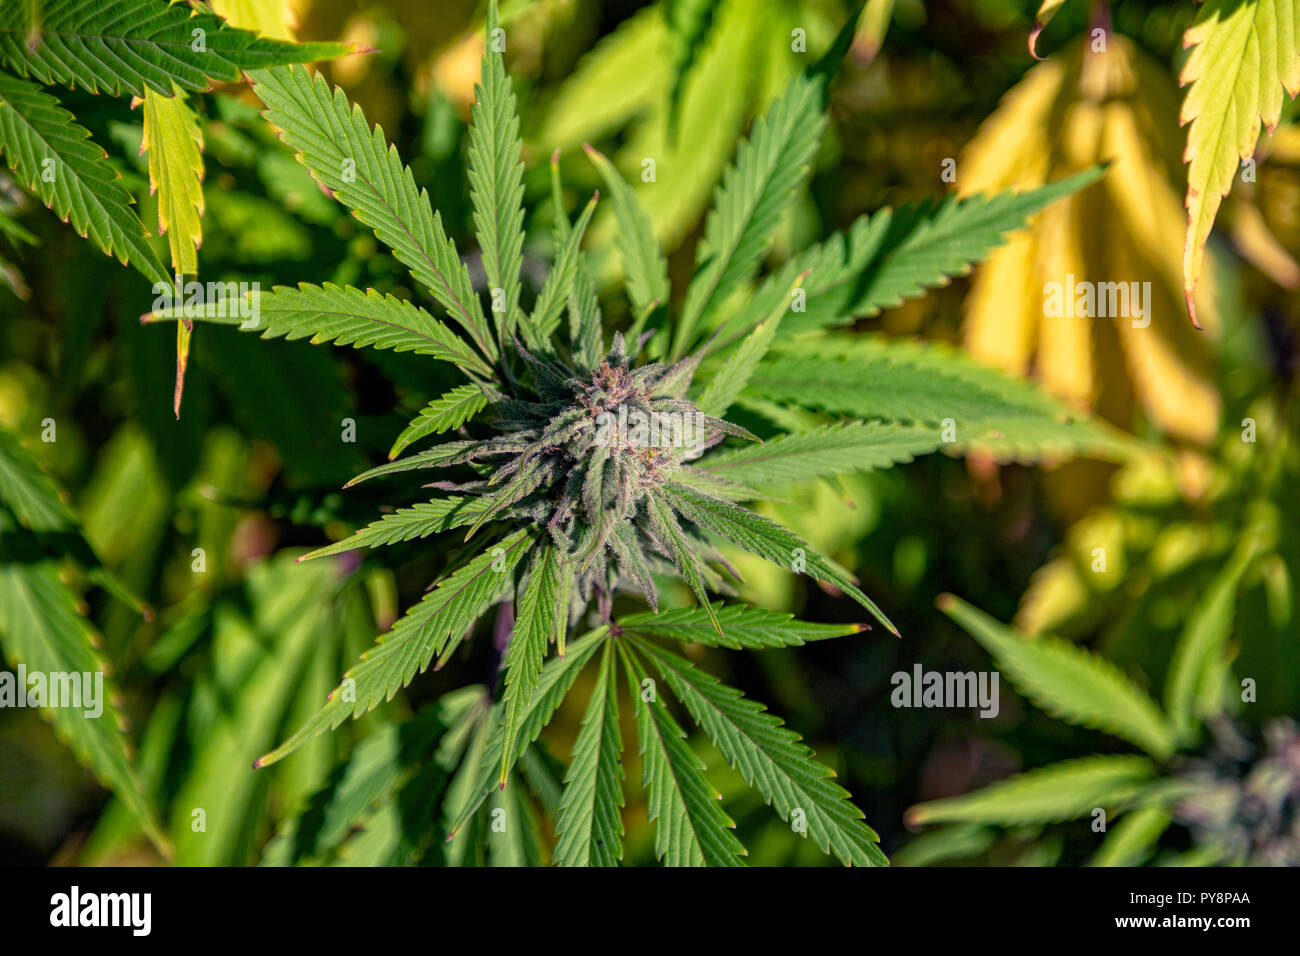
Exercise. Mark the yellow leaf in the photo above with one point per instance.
(1244, 53)
(271, 18)
(1086, 108)
(1259, 247)
(184, 329)
(174, 143)
(1003, 308)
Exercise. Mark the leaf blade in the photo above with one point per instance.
(588, 826)
(1069, 682)
(771, 758)
(54, 157)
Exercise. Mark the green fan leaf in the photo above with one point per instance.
(496, 180)
(370, 777)
(1063, 791)
(643, 262)
(754, 194)
(406, 524)
(442, 414)
(41, 629)
(136, 45)
(770, 757)
(446, 612)
(363, 172)
(557, 677)
(448, 453)
(742, 626)
(881, 380)
(1069, 682)
(347, 316)
(588, 827)
(1203, 643)
(586, 331)
(690, 827)
(725, 387)
(767, 539)
(894, 255)
(1131, 840)
(53, 157)
(871, 377)
(664, 523)
(822, 452)
(541, 618)
(559, 284)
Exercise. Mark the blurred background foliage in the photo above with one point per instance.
(203, 516)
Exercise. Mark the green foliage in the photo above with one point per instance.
(756, 190)
(690, 827)
(1062, 791)
(139, 45)
(589, 827)
(597, 514)
(54, 158)
(442, 415)
(567, 509)
(362, 171)
(496, 178)
(643, 263)
(750, 627)
(771, 759)
(427, 629)
(1070, 683)
(346, 316)
(43, 629)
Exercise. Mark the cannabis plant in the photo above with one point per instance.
(1193, 594)
(1238, 804)
(582, 470)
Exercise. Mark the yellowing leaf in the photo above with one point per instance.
(1090, 108)
(174, 143)
(271, 18)
(1244, 53)
(1258, 246)
(184, 329)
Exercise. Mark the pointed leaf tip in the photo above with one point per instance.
(1189, 296)
(1033, 39)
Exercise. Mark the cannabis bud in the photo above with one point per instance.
(1245, 804)
(582, 453)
